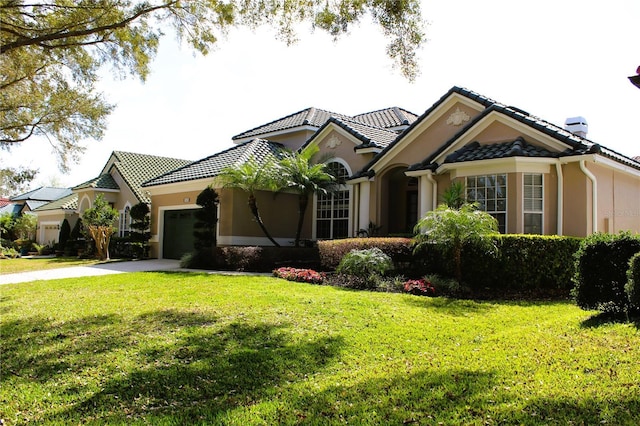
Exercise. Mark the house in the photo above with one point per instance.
(119, 182)
(532, 175)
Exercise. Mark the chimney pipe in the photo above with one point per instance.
(577, 125)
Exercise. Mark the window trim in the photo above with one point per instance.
(344, 187)
(506, 195)
(525, 211)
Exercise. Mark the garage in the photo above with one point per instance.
(178, 233)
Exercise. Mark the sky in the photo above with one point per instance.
(553, 59)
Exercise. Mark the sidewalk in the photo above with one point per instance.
(101, 269)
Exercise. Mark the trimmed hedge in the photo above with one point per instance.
(601, 271)
(397, 248)
(522, 262)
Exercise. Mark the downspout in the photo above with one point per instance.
(560, 216)
(594, 196)
(434, 195)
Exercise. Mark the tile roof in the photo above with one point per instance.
(314, 117)
(517, 148)
(387, 118)
(258, 149)
(104, 181)
(370, 136)
(44, 193)
(136, 169)
(70, 202)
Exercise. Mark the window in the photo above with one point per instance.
(124, 225)
(332, 211)
(533, 204)
(490, 192)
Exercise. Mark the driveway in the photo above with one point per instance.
(101, 269)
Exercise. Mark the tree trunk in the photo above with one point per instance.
(101, 236)
(253, 206)
(303, 202)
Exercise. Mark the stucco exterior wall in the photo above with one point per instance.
(576, 201)
(618, 200)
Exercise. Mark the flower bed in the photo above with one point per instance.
(419, 287)
(300, 275)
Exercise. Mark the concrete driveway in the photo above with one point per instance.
(101, 269)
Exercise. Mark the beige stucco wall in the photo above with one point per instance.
(618, 199)
(576, 201)
(49, 223)
(293, 140)
(236, 223)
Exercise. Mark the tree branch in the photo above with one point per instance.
(41, 40)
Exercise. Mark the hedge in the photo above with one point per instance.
(601, 271)
(632, 287)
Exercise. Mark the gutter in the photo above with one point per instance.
(594, 197)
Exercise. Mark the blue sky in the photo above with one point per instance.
(554, 59)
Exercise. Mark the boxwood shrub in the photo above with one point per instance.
(601, 271)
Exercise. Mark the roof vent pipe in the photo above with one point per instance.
(577, 125)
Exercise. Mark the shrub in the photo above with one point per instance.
(632, 288)
(364, 263)
(241, 258)
(64, 234)
(373, 282)
(420, 287)
(299, 275)
(399, 250)
(601, 271)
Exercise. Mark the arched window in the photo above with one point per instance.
(125, 222)
(332, 210)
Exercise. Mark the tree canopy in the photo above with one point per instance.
(51, 52)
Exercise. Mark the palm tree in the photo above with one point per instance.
(453, 228)
(251, 177)
(301, 175)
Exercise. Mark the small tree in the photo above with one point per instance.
(99, 221)
(252, 177)
(452, 228)
(64, 234)
(140, 225)
(301, 175)
(206, 220)
(455, 195)
(25, 226)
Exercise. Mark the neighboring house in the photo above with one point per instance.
(533, 176)
(32, 200)
(119, 182)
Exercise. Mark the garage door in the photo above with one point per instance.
(178, 233)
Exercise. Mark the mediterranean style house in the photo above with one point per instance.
(119, 182)
(533, 176)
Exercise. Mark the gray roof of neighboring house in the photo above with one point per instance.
(44, 193)
(70, 202)
(315, 117)
(259, 149)
(12, 208)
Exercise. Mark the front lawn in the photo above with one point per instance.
(21, 264)
(181, 348)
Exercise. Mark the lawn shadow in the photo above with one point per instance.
(206, 370)
(606, 318)
(449, 306)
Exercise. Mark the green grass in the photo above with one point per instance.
(180, 348)
(10, 266)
